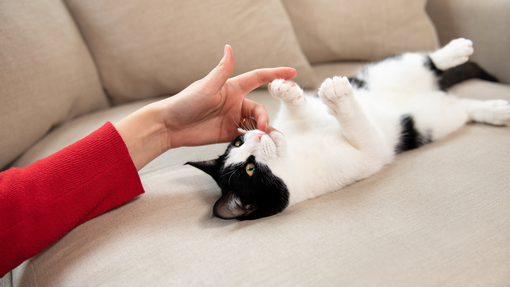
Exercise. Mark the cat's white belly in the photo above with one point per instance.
(326, 163)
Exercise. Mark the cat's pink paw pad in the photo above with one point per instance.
(287, 91)
(333, 91)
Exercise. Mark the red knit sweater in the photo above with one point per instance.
(42, 202)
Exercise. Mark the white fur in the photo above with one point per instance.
(234, 202)
(455, 53)
(346, 135)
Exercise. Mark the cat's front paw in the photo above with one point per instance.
(287, 91)
(336, 94)
(457, 52)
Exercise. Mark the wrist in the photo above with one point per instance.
(144, 134)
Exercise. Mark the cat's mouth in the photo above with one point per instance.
(261, 137)
(271, 143)
(273, 136)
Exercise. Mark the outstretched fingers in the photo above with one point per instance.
(221, 73)
(249, 81)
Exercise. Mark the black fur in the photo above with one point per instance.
(458, 74)
(410, 138)
(466, 71)
(357, 83)
(262, 194)
(393, 57)
(431, 66)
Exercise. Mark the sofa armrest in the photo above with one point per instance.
(485, 22)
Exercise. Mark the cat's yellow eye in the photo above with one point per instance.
(250, 168)
(238, 143)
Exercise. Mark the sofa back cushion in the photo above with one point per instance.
(149, 48)
(486, 23)
(332, 30)
(46, 73)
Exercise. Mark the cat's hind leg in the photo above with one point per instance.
(455, 53)
(410, 73)
(494, 112)
(440, 114)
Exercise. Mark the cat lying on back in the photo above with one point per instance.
(354, 128)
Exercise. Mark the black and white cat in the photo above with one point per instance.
(354, 128)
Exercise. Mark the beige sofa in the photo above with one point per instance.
(437, 216)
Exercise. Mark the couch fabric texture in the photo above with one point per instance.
(46, 73)
(479, 21)
(157, 52)
(339, 30)
(437, 216)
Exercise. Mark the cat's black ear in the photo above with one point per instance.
(229, 206)
(209, 166)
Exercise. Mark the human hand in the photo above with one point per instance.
(208, 111)
(211, 109)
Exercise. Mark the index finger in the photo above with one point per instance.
(253, 79)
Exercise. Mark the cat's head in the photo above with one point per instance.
(249, 188)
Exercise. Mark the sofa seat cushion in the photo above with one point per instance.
(46, 73)
(437, 216)
(152, 48)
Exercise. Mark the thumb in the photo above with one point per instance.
(220, 74)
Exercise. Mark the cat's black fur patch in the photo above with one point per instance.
(357, 83)
(265, 190)
(458, 74)
(410, 137)
(262, 194)
(461, 73)
(393, 57)
(432, 67)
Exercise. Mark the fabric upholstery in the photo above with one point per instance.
(6, 281)
(75, 130)
(151, 48)
(484, 22)
(332, 30)
(437, 216)
(46, 73)
(329, 70)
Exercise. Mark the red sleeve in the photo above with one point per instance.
(42, 202)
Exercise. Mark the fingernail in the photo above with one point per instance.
(225, 50)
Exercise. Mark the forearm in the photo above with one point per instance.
(144, 134)
(42, 202)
